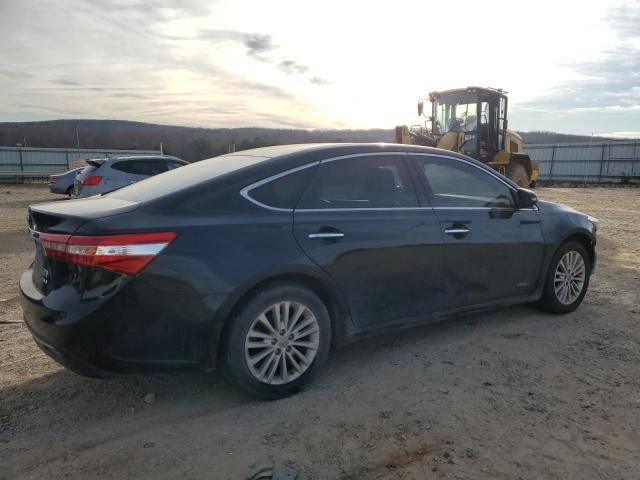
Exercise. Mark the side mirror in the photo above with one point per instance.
(526, 198)
(420, 108)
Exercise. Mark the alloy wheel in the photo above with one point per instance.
(282, 342)
(569, 277)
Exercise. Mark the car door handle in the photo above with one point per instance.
(456, 231)
(326, 235)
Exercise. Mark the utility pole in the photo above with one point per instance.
(77, 139)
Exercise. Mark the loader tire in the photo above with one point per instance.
(518, 174)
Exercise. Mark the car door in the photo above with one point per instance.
(491, 249)
(361, 221)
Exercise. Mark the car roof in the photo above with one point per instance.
(262, 162)
(346, 148)
(145, 157)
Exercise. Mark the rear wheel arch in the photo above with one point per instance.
(336, 306)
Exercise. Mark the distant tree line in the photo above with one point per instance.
(194, 143)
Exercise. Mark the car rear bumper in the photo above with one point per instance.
(137, 329)
(57, 333)
(68, 359)
(55, 188)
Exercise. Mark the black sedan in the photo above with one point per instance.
(258, 262)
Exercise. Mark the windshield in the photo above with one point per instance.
(456, 112)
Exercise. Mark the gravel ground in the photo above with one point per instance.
(509, 394)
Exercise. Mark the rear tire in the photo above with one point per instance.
(519, 175)
(277, 343)
(567, 279)
(70, 191)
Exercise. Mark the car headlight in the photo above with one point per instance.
(594, 221)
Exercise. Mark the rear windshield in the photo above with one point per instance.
(183, 177)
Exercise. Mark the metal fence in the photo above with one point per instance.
(18, 163)
(591, 162)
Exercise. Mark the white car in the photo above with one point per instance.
(104, 175)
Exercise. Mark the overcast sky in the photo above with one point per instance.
(569, 66)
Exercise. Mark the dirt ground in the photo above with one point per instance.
(512, 394)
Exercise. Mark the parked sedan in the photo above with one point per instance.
(258, 262)
(107, 174)
(63, 182)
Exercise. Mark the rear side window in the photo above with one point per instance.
(122, 166)
(172, 164)
(153, 167)
(378, 181)
(141, 167)
(282, 192)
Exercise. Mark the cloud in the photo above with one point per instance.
(257, 44)
(612, 78)
(292, 67)
(260, 47)
(64, 81)
(13, 74)
(625, 20)
(145, 60)
(320, 81)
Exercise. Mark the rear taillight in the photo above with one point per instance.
(53, 180)
(92, 180)
(128, 253)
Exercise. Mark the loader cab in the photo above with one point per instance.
(473, 119)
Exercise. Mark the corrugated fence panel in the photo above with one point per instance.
(53, 160)
(9, 160)
(617, 161)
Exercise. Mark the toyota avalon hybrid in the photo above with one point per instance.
(258, 262)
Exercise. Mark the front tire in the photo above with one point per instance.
(278, 342)
(567, 279)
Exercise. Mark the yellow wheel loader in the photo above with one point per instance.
(473, 121)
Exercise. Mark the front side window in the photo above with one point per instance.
(376, 181)
(454, 183)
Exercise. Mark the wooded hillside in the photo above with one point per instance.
(194, 143)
